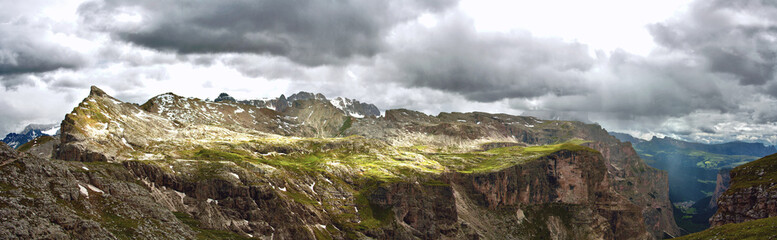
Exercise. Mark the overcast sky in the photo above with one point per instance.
(695, 70)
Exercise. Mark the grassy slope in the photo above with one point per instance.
(756, 173)
(377, 162)
(752, 230)
(36, 141)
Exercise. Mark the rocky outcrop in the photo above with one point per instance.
(51, 199)
(721, 185)
(752, 194)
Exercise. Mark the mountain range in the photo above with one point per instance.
(178, 167)
(350, 107)
(30, 132)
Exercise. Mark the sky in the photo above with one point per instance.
(695, 70)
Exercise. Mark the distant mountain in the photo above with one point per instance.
(729, 148)
(29, 133)
(350, 107)
(624, 137)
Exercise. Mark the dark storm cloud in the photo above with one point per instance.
(309, 32)
(707, 130)
(24, 49)
(733, 37)
(485, 67)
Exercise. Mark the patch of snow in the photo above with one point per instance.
(94, 189)
(124, 140)
(356, 209)
(327, 180)
(282, 188)
(83, 190)
(461, 120)
(210, 200)
(234, 175)
(529, 125)
(356, 115)
(239, 110)
(53, 131)
(311, 187)
(321, 226)
(85, 168)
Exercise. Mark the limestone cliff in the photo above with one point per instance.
(721, 185)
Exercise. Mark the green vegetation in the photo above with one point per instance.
(209, 154)
(300, 198)
(751, 230)
(346, 125)
(37, 141)
(500, 158)
(372, 215)
(368, 159)
(187, 219)
(124, 228)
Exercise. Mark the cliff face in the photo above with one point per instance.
(631, 178)
(256, 172)
(558, 193)
(642, 185)
(564, 195)
(721, 185)
(752, 194)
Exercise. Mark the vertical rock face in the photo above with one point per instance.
(644, 186)
(721, 185)
(576, 181)
(752, 194)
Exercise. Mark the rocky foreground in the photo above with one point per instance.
(183, 168)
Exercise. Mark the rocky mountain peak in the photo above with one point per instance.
(97, 92)
(224, 97)
(302, 95)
